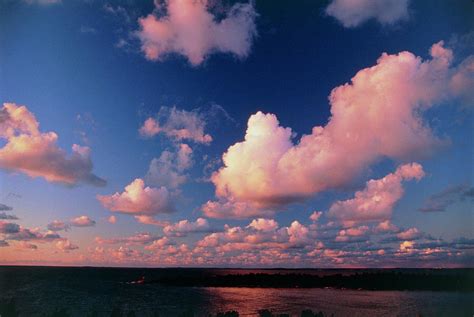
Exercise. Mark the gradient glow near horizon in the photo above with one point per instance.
(237, 134)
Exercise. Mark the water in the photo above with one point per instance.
(84, 290)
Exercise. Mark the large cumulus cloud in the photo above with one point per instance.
(376, 115)
(36, 154)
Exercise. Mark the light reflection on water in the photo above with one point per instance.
(341, 302)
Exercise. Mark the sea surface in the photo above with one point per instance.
(83, 291)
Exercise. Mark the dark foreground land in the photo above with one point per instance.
(459, 280)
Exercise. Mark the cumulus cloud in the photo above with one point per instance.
(315, 216)
(37, 154)
(5, 216)
(66, 245)
(190, 29)
(82, 221)
(139, 200)
(4, 207)
(447, 197)
(262, 224)
(177, 124)
(58, 225)
(352, 13)
(377, 115)
(9, 227)
(376, 201)
(112, 219)
(409, 234)
(183, 227)
(168, 170)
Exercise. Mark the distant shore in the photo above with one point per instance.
(462, 280)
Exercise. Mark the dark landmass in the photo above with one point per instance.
(461, 280)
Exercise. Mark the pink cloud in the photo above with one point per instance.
(66, 245)
(409, 234)
(189, 28)
(36, 154)
(315, 216)
(178, 125)
(169, 169)
(112, 219)
(58, 225)
(352, 13)
(262, 224)
(183, 227)
(138, 200)
(376, 201)
(82, 221)
(137, 239)
(369, 120)
(386, 226)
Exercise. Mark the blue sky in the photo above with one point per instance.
(65, 63)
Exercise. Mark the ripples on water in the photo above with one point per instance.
(80, 291)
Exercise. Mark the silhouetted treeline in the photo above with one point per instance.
(463, 281)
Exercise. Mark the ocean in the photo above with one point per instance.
(41, 291)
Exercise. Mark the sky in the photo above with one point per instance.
(237, 134)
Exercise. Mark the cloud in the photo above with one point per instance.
(36, 154)
(43, 2)
(409, 234)
(183, 227)
(262, 224)
(82, 221)
(9, 227)
(352, 13)
(188, 28)
(4, 243)
(168, 170)
(386, 226)
(112, 219)
(143, 238)
(369, 121)
(447, 197)
(4, 216)
(66, 245)
(5, 207)
(139, 200)
(87, 30)
(315, 216)
(58, 225)
(376, 201)
(178, 125)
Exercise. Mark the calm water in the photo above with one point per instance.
(83, 290)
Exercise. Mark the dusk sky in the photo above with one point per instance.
(237, 134)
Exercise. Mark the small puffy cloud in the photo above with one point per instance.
(183, 227)
(262, 224)
(137, 199)
(177, 124)
(386, 226)
(234, 209)
(112, 219)
(36, 154)
(82, 221)
(315, 216)
(447, 197)
(27, 245)
(406, 246)
(159, 244)
(5, 216)
(376, 201)
(189, 28)
(168, 170)
(409, 234)
(368, 121)
(352, 13)
(66, 245)
(58, 225)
